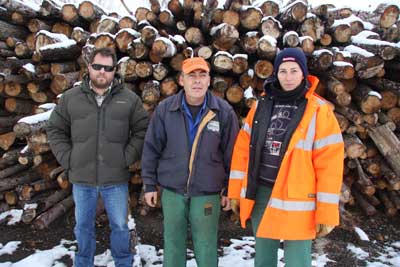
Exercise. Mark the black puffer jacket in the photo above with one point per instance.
(96, 144)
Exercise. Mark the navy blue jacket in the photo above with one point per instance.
(169, 161)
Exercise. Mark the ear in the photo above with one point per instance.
(180, 81)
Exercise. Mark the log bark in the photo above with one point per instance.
(59, 209)
(12, 170)
(22, 178)
(388, 144)
(64, 81)
(8, 159)
(9, 30)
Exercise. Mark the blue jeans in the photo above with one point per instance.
(115, 198)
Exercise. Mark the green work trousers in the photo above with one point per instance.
(297, 253)
(202, 213)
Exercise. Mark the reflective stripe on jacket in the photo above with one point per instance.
(307, 187)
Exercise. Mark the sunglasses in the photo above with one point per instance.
(99, 67)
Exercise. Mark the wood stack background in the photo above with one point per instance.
(44, 51)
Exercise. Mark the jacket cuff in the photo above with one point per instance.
(149, 188)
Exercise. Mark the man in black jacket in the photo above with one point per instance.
(96, 131)
(187, 152)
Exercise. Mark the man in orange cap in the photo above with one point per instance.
(187, 152)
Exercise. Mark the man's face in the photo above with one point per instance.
(99, 76)
(195, 85)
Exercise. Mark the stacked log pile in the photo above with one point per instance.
(44, 51)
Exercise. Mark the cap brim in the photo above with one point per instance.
(194, 67)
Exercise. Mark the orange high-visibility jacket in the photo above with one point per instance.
(307, 187)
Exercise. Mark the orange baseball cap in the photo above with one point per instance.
(195, 63)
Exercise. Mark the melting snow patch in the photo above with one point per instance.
(9, 248)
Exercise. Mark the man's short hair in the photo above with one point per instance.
(105, 52)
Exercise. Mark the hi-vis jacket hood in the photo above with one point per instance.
(307, 187)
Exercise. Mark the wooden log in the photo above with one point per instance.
(240, 63)
(50, 8)
(234, 94)
(9, 158)
(90, 11)
(11, 198)
(46, 218)
(394, 116)
(263, 69)
(80, 36)
(388, 144)
(12, 170)
(126, 69)
(394, 198)
(390, 209)
(127, 22)
(137, 49)
(124, 37)
(70, 14)
(313, 27)
(385, 50)
(62, 28)
(321, 60)
(30, 214)
(163, 48)
(22, 178)
(270, 8)
(366, 64)
(363, 203)
(266, 47)
(389, 14)
(148, 35)
(63, 81)
(168, 87)
(291, 39)
(45, 157)
(62, 180)
(224, 36)
(7, 140)
(250, 17)
(293, 14)
(194, 36)
(342, 70)
(307, 45)
(340, 32)
(176, 8)
(144, 69)
(384, 84)
(363, 180)
(140, 14)
(367, 99)
(107, 25)
(151, 93)
(12, 30)
(222, 62)
(372, 199)
(104, 40)
(160, 71)
(353, 146)
(22, 50)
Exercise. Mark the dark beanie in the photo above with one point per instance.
(294, 55)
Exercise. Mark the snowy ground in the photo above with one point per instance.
(239, 253)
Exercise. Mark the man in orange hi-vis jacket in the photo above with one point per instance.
(287, 165)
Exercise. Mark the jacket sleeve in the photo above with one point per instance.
(328, 155)
(240, 157)
(139, 120)
(59, 133)
(228, 141)
(154, 143)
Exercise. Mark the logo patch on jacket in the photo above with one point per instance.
(213, 126)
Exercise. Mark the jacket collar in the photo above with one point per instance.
(314, 83)
(116, 85)
(177, 101)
